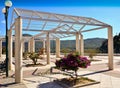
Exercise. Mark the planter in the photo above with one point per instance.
(75, 83)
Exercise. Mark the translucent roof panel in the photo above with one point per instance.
(58, 25)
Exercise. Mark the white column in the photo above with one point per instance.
(110, 48)
(23, 46)
(57, 47)
(18, 50)
(77, 43)
(81, 45)
(10, 49)
(29, 46)
(48, 49)
(0, 47)
(44, 47)
(32, 45)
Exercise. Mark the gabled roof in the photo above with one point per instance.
(58, 25)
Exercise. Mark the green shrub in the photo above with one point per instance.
(25, 55)
(91, 53)
(65, 51)
(34, 56)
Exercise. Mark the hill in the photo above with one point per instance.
(70, 44)
(94, 42)
(88, 44)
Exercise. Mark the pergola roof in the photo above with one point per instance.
(49, 25)
(58, 25)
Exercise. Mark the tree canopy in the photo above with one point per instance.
(116, 41)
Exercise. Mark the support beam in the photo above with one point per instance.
(44, 47)
(77, 43)
(28, 46)
(10, 49)
(110, 48)
(81, 45)
(18, 50)
(93, 29)
(57, 47)
(67, 22)
(23, 46)
(0, 47)
(48, 48)
(32, 45)
(50, 31)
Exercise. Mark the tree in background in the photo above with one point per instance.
(116, 41)
(104, 47)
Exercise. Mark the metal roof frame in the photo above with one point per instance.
(58, 25)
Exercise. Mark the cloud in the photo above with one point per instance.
(3, 21)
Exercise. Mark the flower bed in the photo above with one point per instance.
(72, 62)
(75, 83)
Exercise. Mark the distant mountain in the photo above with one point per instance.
(88, 44)
(93, 42)
(27, 35)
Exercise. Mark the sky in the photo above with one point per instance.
(107, 11)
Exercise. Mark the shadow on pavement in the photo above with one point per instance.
(49, 85)
(102, 71)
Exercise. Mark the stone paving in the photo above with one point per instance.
(97, 71)
(10, 83)
(46, 81)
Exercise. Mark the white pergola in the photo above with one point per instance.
(46, 26)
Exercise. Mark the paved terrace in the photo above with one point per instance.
(97, 71)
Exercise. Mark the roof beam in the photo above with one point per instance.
(51, 31)
(54, 35)
(83, 26)
(16, 12)
(37, 14)
(12, 17)
(71, 27)
(29, 21)
(60, 22)
(45, 23)
(69, 22)
(93, 29)
(12, 25)
(39, 35)
(98, 21)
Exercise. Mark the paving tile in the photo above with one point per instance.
(40, 82)
(107, 79)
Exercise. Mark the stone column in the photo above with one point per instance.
(81, 45)
(18, 50)
(0, 47)
(48, 49)
(77, 43)
(44, 47)
(29, 46)
(10, 49)
(23, 46)
(110, 48)
(57, 47)
(32, 45)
